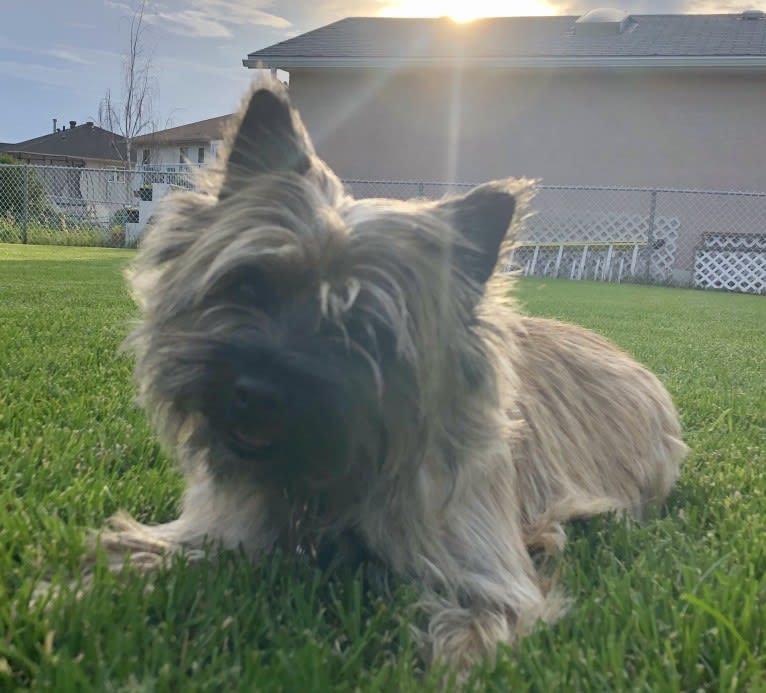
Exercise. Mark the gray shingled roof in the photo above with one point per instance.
(86, 141)
(367, 40)
(201, 131)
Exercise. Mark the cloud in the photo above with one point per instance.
(81, 25)
(58, 77)
(220, 18)
(232, 72)
(413, 8)
(209, 18)
(577, 7)
(69, 56)
(241, 12)
(189, 23)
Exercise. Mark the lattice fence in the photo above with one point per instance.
(602, 247)
(734, 262)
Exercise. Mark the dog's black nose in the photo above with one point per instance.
(257, 398)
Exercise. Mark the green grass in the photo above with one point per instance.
(676, 605)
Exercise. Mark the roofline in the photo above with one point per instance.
(158, 142)
(163, 136)
(64, 157)
(731, 62)
(51, 135)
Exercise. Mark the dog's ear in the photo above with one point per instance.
(482, 219)
(270, 138)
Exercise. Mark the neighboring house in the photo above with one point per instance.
(70, 163)
(606, 98)
(85, 145)
(165, 160)
(193, 144)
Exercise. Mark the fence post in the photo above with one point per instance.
(650, 236)
(25, 205)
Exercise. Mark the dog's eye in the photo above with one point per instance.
(248, 292)
(250, 289)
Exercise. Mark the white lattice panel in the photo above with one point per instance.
(732, 270)
(735, 241)
(605, 229)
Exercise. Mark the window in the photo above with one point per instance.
(201, 155)
(184, 156)
(146, 157)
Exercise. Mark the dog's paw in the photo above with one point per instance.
(462, 637)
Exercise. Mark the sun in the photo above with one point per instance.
(466, 10)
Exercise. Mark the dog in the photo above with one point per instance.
(332, 373)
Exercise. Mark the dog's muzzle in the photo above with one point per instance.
(258, 414)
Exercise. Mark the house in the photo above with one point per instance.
(82, 146)
(191, 144)
(71, 162)
(605, 98)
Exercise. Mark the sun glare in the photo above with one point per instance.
(466, 10)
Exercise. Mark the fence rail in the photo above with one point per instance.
(703, 238)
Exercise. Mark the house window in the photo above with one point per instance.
(201, 155)
(184, 157)
(146, 157)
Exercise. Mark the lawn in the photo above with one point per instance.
(676, 605)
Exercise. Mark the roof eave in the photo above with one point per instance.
(737, 62)
(172, 141)
(61, 157)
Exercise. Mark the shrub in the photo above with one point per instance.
(12, 190)
(124, 215)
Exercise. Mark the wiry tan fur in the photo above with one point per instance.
(499, 427)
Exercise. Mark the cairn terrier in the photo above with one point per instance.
(332, 372)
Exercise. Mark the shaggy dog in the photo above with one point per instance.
(333, 373)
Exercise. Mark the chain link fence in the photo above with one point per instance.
(66, 205)
(705, 239)
(702, 238)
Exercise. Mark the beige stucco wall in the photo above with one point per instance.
(644, 128)
(639, 127)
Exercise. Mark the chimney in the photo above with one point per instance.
(604, 21)
(72, 123)
(55, 120)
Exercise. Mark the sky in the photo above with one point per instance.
(59, 57)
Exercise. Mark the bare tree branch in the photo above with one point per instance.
(133, 115)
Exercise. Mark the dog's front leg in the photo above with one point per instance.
(482, 585)
(215, 514)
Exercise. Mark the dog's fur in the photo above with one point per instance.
(331, 372)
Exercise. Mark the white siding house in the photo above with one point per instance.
(192, 144)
